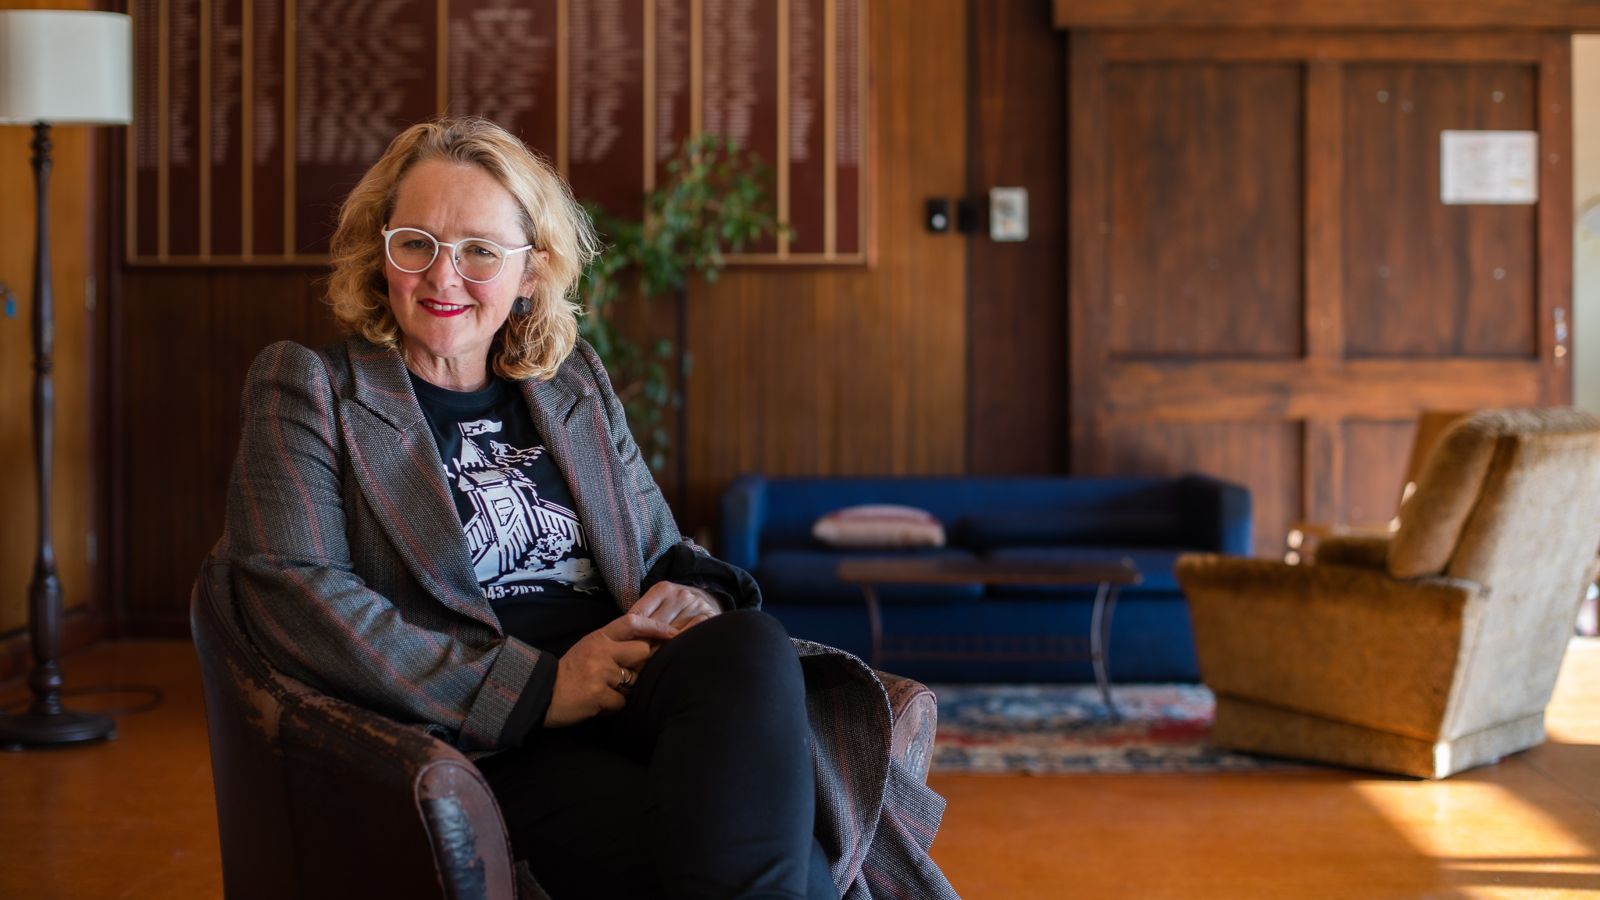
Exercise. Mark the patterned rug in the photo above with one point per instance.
(1061, 729)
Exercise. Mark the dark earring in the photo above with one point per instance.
(521, 307)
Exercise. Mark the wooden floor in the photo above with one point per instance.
(134, 817)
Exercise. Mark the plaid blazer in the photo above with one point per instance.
(350, 571)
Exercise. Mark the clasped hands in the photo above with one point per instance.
(593, 677)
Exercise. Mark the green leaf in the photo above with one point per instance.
(716, 199)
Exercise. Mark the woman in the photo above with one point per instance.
(445, 519)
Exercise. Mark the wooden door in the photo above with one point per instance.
(1264, 283)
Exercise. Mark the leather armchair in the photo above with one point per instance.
(318, 798)
(1428, 651)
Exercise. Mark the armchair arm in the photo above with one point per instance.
(914, 711)
(1329, 640)
(744, 511)
(384, 809)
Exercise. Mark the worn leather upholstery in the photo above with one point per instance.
(317, 798)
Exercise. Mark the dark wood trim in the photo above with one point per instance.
(148, 623)
(1296, 389)
(80, 628)
(1016, 292)
(1324, 216)
(106, 433)
(1322, 461)
(111, 408)
(1555, 216)
(1429, 14)
(1337, 46)
(1321, 496)
(974, 145)
(1086, 244)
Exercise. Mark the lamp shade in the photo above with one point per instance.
(65, 67)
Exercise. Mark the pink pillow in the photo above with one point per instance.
(879, 525)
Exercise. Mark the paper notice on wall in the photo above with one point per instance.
(1489, 167)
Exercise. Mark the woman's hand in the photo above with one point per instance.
(593, 676)
(678, 605)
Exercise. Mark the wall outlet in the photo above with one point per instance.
(1008, 214)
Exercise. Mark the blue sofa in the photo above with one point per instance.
(766, 529)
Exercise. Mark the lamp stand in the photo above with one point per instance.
(46, 723)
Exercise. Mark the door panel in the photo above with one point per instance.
(1264, 284)
(1205, 206)
(1424, 279)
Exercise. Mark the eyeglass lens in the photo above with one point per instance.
(476, 259)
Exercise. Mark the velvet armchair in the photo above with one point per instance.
(1424, 652)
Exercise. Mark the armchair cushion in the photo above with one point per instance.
(1431, 519)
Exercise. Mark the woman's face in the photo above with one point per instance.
(447, 322)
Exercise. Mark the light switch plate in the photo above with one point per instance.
(1008, 214)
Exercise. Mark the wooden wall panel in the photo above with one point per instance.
(173, 454)
(1205, 209)
(1375, 454)
(850, 371)
(1016, 319)
(1407, 255)
(1263, 456)
(71, 206)
(189, 338)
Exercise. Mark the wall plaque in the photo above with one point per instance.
(254, 118)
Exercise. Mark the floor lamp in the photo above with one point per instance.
(56, 68)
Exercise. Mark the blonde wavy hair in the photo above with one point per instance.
(531, 346)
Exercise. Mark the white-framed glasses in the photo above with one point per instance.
(478, 260)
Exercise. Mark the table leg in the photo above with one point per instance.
(875, 623)
(1105, 603)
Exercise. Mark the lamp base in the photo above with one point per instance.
(54, 730)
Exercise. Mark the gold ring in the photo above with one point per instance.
(626, 681)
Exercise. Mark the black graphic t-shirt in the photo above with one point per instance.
(528, 548)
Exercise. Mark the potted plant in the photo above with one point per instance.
(714, 201)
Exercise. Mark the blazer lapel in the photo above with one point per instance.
(574, 430)
(398, 468)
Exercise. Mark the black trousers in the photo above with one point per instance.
(701, 787)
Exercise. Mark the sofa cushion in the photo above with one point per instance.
(1055, 527)
(811, 577)
(879, 525)
(1155, 565)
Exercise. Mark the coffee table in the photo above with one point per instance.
(1108, 577)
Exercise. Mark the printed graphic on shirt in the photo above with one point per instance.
(517, 538)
